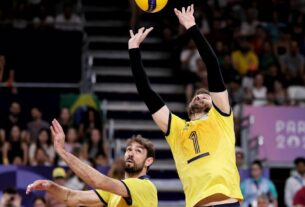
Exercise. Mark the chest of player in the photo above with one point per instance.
(198, 138)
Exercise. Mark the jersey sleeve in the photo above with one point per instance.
(104, 196)
(176, 125)
(141, 192)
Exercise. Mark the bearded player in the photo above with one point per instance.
(203, 148)
(136, 190)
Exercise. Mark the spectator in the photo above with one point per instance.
(259, 91)
(188, 59)
(37, 124)
(15, 151)
(262, 201)
(292, 63)
(280, 93)
(244, 60)
(65, 119)
(295, 182)
(39, 202)
(91, 120)
(271, 76)
(59, 177)
(267, 56)
(44, 145)
(257, 185)
(96, 146)
(41, 157)
(275, 26)
(72, 139)
(259, 39)
(281, 46)
(299, 198)
(15, 117)
(248, 27)
(68, 20)
(10, 198)
(240, 158)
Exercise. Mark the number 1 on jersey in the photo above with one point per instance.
(194, 138)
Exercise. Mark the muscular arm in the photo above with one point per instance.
(216, 84)
(88, 174)
(93, 177)
(217, 88)
(66, 195)
(153, 101)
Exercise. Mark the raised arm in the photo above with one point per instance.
(65, 195)
(216, 84)
(88, 174)
(153, 101)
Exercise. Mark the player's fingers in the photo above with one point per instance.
(59, 126)
(177, 12)
(131, 33)
(140, 31)
(54, 127)
(192, 9)
(147, 31)
(188, 9)
(183, 10)
(28, 189)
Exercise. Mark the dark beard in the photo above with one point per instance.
(134, 169)
(196, 109)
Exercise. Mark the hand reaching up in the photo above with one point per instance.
(186, 16)
(137, 38)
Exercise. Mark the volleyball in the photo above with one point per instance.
(151, 6)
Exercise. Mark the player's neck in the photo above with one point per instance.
(135, 175)
(199, 116)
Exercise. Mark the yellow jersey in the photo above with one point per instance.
(204, 154)
(142, 192)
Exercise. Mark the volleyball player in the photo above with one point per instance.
(203, 148)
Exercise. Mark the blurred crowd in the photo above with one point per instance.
(259, 190)
(28, 142)
(260, 51)
(40, 14)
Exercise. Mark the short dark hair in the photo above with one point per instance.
(147, 144)
(299, 160)
(201, 91)
(257, 162)
(10, 190)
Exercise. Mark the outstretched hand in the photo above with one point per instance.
(58, 135)
(38, 185)
(137, 38)
(186, 16)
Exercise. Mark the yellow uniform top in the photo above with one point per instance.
(204, 154)
(142, 192)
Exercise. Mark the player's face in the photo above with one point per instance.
(201, 103)
(135, 157)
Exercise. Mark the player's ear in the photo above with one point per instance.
(149, 161)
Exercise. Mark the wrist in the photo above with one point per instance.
(133, 47)
(189, 25)
(60, 150)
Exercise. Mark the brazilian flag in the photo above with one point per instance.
(76, 101)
